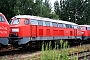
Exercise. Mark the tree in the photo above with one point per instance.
(6, 7)
(37, 8)
(74, 10)
(46, 9)
(22, 6)
(11, 8)
(57, 8)
(53, 16)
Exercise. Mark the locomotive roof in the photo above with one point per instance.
(85, 25)
(0, 13)
(44, 19)
(66, 22)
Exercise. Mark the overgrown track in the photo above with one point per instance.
(18, 52)
(81, 55)
(7, 48)
(13, 52)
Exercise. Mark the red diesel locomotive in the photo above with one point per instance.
(26, 29)
(85, 31)
(4, 30)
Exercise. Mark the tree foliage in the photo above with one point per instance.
(56, 8)
(73, 10)
(6, 7)
(11, 8)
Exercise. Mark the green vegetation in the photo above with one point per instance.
(62, 52)
(73, 10)
(54, 53)
(11, 8)
(50, 53)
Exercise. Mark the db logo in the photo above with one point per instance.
(66, 31)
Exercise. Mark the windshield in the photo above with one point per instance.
(14, 21)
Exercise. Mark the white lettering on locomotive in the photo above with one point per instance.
(3, 30)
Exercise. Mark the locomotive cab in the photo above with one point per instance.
(14, 29)
(85, 31)
(19, 29)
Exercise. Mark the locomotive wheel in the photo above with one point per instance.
(23, 47)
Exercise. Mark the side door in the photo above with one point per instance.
(33, 25)
(75, 31)
(33, 30)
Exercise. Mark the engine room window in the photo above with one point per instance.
(1, 19)
(64, 26)
(71, 26)
(26, 22)
(50, 23)
(17, 21)
(67, 25)
(40, 23)
(44, 24)
(60, 25)
(75, 27)
(54, 24)
(47, 23)
(34, 22)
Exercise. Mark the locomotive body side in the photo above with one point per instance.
(4, 30)
(26, 29)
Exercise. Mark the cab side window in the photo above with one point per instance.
(82, 28)
(1, 19)
(26, 22)
(88, 28)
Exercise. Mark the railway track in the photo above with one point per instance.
(7, 48)
(83, 55)
(14, 54)
(26, 53)
(80, 55)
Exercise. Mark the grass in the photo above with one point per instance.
(62, 54)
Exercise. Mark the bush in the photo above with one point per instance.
(49, 53)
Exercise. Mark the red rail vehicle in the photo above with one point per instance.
(4, 30)
(85, 31)
(26, 29)
(73, 32)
